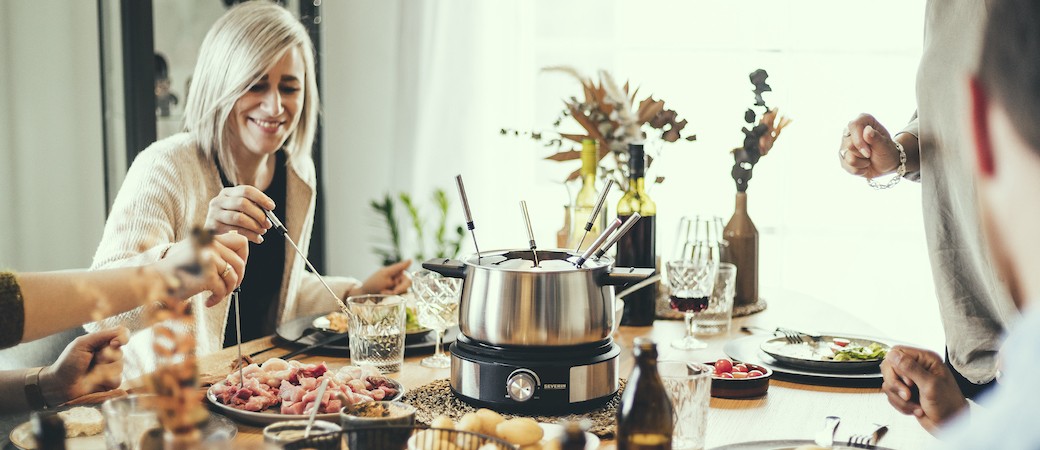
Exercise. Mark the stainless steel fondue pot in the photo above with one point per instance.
(509, 301)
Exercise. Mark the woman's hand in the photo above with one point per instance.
(241, 209)
(388, 280)
(91, 363)
(866, 149)
(223, 265)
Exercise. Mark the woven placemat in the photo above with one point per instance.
(436, 399)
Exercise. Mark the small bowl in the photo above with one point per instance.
(741, 387)
(287, 432)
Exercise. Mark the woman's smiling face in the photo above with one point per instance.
(269, 111)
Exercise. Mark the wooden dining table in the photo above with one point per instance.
(790, 410)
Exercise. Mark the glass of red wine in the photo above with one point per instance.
(690, 283)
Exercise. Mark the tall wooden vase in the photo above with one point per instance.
(743, 252)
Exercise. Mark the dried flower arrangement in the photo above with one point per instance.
(609, 115)
(760, 139)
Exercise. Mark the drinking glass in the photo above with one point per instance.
(689, 386)
(717, 316)
(690, 283)
(377, 329)
(128, 419)
(438, 309)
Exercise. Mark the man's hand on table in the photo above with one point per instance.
(918, 383)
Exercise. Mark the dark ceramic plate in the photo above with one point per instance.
(414, 343)
(812, 355)
(783, 444)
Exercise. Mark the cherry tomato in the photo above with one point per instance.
(723, 365)
(841, 342)
(755, 373)
(740, 374)
(740, 367)
(725, 375)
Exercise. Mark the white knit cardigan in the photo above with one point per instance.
(167, 192)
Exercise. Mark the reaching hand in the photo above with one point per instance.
(867, 150)
(223, 266)
(239, 209)
(918, 383)
(388, 280)
(91, 363)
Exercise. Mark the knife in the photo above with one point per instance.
(825, 437)
(321, 343)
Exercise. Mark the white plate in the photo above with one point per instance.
(272, 414)
(23, 439)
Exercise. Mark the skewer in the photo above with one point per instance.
(595, 212)
(238, 335)
(469, 215)
(598, 242)
(617, 236)
(530, 232)
(280, 227)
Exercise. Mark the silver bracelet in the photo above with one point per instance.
(900, 171)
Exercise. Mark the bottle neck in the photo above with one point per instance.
(588, 159)
(637, 185)
(741, 202)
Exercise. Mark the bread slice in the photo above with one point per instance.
(82, 421)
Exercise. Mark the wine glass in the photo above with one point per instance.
(691, 278)
(438, 309)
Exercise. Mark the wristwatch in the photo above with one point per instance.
(33, 393)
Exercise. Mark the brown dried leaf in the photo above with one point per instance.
(574, 175)
(574, 137)
(585, 122)
(569, 155)
(648, 109)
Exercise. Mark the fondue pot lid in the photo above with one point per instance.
(523, 261)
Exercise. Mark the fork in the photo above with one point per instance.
(867, 440)
(791, 336)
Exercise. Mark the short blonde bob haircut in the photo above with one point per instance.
(237, 51)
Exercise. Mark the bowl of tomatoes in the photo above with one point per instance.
(735, 379)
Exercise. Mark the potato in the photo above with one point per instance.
(489, 420)
(444, 422)
(522, 431)
(433, 440)
(470, 422)
(488, 446)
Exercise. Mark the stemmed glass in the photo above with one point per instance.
(691, 278)
(438, 309)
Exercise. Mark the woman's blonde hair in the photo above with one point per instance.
(237, 51)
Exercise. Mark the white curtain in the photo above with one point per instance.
(417, 91)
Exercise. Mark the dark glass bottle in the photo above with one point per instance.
(638, 248)
(645, 419)
(573, 437)
(49, 431)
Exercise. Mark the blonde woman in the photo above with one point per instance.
(250, 120)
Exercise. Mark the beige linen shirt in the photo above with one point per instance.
(165, 194)
(975, 305)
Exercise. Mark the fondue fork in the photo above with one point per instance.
(469, 215)
(617, 236)
(280, 227)
(595, 212)
(238, 335)
(530, 233)
(597, 243)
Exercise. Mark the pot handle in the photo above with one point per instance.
(620, 276)
(447, 267)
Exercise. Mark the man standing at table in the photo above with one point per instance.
(1004, 103)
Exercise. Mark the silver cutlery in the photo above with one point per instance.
(317, 406)
(825, 437)
(285, 232)
(790, 335)
(595, 212)
(469, 215)
(530, 232)
(868, 440)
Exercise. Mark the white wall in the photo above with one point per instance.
(51, 174)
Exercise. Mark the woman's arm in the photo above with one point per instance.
(87, 296)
